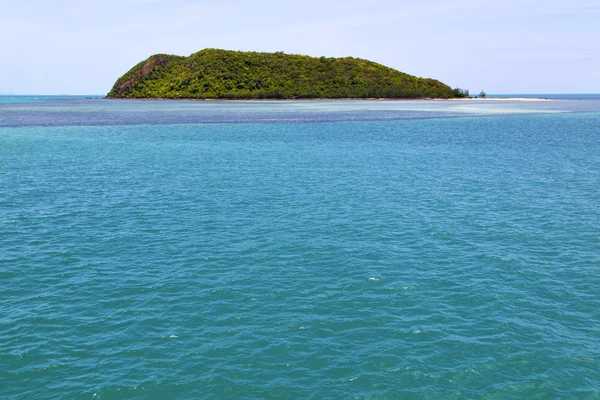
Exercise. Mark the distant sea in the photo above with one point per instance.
(316, 249)
(561, 96)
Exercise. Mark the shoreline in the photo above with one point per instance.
(525, 99)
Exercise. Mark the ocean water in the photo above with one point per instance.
(550, 96)
(176, 250)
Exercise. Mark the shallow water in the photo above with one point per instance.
(78, 111)
(299, 249)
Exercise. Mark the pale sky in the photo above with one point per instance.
(503, 46)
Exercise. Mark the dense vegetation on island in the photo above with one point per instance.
(223, 74)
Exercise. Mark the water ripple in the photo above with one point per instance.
(426, 259)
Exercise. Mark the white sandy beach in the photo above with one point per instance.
(502, 99)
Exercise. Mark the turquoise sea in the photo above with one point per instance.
(316, 249)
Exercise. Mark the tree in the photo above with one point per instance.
(213, 73)
(482, 94)
(461, 93)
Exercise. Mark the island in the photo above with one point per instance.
(225, 74)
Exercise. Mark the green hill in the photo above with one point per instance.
(223, 74)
